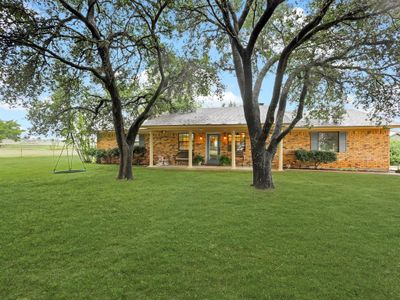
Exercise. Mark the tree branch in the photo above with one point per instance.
(300, 110)
(260, 78)
(54, 55)
(267, 14)
(270, 118)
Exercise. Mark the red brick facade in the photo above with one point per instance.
(366, 149)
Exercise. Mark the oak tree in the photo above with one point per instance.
(318, 55)
(96, 54)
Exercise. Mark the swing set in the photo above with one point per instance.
(70, 147)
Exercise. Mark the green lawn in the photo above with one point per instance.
(196, 234)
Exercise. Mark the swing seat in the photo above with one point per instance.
(69, 171)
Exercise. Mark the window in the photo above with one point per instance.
(328, 141)
(240, 143)
(183, 141)
(139, 141)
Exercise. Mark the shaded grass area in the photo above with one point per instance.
(196, 234)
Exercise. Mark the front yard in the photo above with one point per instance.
(196, 234)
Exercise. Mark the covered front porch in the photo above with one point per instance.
(216, 148)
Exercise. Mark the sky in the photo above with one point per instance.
(18, 114)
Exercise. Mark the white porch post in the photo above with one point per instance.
(280, 156)
(233, 149)
(151, 150)
(190, 162)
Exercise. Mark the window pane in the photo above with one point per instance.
(240, 143)
(139, 141)
(328, 141)
(136, 143)
(183, 141)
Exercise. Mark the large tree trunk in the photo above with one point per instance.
(125, 162)
(122, 160)
(128, 165)
(262, 167)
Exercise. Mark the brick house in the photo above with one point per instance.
(174, 139)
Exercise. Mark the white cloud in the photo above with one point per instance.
(9, 107)
(228, 98)
(143, 78)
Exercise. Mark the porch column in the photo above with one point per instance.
(190, 162)
(280, 156)
(151, 150)
(233, 149)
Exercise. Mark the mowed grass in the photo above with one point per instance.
(175, 234)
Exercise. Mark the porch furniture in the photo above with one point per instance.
(182, 157)
(162, 161)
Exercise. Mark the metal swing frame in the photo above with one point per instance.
(70, 140)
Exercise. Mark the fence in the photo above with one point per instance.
(29, 149)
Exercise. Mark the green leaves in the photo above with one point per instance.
(10, 130)
(315, 157)
(395, 153)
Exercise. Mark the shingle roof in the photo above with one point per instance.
(352, 117)
(235, 116)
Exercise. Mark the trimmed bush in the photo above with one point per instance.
(315, 157)
(100, 154)
(224, 161)
(302, 155)
(110, 155)
(395, 153)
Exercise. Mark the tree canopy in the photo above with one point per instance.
(10, 130)
(119, 61)
(320, 53)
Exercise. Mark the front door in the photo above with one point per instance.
(213, 149)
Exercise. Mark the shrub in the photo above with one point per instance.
(302, 155)
(100, 154)
(395, 153)
(139, 150)
(114, 152)
(89, 154)
(198, 159)
(108, 155)
(224, 160)
(315, 157)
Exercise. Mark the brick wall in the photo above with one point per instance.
(106, 140)
(165, 146)
(365, 149)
